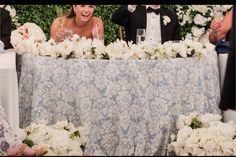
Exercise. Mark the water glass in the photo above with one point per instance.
(68, 33)
(140, 36)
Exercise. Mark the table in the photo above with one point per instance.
(9, 87)
(129, 107)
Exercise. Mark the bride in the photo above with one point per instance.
(80, 20)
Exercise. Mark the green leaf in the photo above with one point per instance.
(28, 142)
(196, 123)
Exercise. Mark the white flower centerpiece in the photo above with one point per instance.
(76, 47)
(62, 138)
(203, 135)
(27, 37)
(83, 48)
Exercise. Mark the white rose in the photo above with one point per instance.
(166, 20)
(200, 20)
(197, 32)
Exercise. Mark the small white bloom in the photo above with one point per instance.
(200, 20)
(166, 20)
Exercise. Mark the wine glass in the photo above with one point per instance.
(96, 34)
(140, 36)
(218, 17)
(68, 33)
(60, 15)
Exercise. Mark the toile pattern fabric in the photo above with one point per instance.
(129, 107)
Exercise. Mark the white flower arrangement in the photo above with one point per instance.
(62, 138)
(27, 37)
(203, 135)
(83, 48)
(199, 17)
(166, 19)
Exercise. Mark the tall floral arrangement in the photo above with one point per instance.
(203, 135)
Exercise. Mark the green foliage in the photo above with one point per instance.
(43, 16)
(111, 29)
(196, 123)
(28, 142)
(75, 134)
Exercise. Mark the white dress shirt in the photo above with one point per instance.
(153, 28)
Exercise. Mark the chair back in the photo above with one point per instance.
(121, 32)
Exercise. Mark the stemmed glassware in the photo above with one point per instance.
(140, 36)
(60, 14)
(96, 34)
(67, 31)
(218, 16)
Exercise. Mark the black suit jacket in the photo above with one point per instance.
(138, 19)
(228, 92)
(5, 32)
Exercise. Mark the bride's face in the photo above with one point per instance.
(84, 12)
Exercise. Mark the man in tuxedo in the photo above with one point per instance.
(5, 32)
(160, 23)
(228, 92)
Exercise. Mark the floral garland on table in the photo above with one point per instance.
(62, 138)
(203, 135)
(198, 18)
(29, 38)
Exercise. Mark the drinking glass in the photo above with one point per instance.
(140, 36)
(218, 15)
(60, 14)
(96, 34)
(67, 33)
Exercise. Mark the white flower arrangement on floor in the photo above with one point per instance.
(62, 138)
(203, 135)
(29, 38)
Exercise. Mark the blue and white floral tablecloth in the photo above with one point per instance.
(128, 106)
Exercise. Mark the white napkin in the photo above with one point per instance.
(1, 47)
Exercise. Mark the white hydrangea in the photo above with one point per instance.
(27, 36)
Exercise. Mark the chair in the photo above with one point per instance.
(121, 32)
